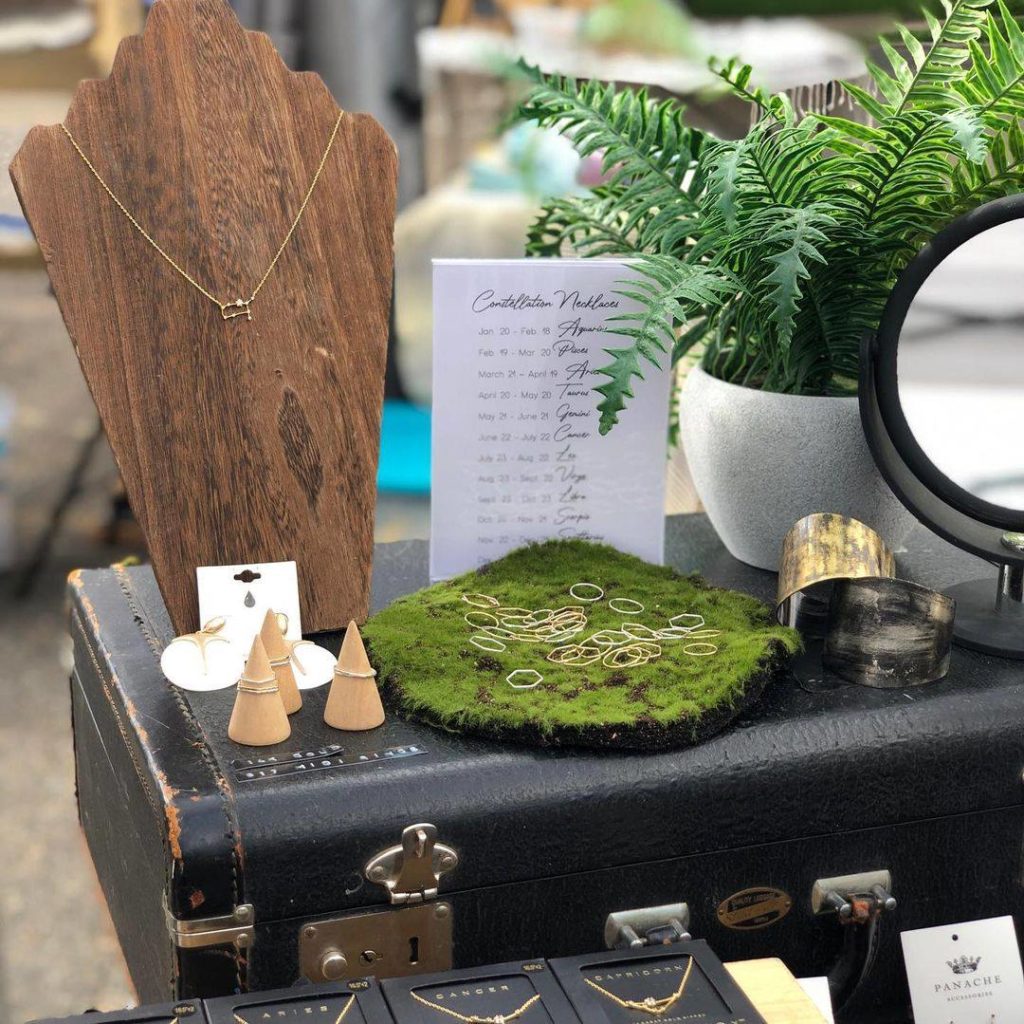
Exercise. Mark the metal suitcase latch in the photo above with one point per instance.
(412, 871)
(234, 929)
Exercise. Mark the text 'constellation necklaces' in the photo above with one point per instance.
(237, 307)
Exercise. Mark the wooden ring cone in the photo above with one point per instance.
(279, 651)
(354, 704)
(258, 718)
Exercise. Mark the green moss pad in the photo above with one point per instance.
(429, 670)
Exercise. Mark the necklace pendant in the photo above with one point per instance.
(230, 310)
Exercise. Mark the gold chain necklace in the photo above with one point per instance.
(499, 1018)
(649, 1004)
(238, 307)
(340, 1018)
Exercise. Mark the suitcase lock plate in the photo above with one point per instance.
(413, 938)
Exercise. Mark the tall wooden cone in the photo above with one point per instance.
(258, 718)
(354, 701)
(279, 651)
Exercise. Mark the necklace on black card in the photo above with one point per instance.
(649, 1004)
(498, 1018)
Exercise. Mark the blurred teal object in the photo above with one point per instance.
(404, 448)
(535, 161)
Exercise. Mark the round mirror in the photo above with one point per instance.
(942, 401)
(960, 366)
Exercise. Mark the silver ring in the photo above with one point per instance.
(636, 608)
(589, 600)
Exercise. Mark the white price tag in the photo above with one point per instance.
(965, 973)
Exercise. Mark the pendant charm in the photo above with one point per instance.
(230, 310)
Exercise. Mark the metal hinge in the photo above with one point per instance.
(412, 871)
(234, 929)
(855, 899)
(647, 926)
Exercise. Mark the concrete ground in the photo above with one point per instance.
(58, 953)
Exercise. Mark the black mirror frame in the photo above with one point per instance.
(952, 512)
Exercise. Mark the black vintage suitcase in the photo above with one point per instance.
(225, 872)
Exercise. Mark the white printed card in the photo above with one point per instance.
(517, 454)
(965, 973)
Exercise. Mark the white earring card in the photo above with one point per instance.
(517, 453)
(965, 973)
(242, 595)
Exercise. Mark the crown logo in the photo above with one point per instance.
(964, 965)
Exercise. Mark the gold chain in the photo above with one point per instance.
(340, 1018)
(238, 307)
(650, 1004)
(500, 1018)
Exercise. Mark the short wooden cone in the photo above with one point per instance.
(354, 702)
(279, 651)
(258, 718)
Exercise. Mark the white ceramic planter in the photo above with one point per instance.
(760, 461)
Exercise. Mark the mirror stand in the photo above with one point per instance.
(991, 619)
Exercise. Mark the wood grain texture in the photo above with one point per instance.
(238, 441)
(774, 992)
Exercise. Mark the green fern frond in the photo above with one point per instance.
(647, 150)
(994, 83)
(925, 78)
(588, 225)
(790, 239)
(668, 292)
(737, 77)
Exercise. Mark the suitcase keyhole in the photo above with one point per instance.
(414, 951)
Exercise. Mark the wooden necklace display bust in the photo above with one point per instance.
(239, 440)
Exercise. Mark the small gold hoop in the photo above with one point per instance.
(711, 649)
(479, 625)
(646, 632)
(524, 672)
(488, 643)
(635, 606)
(687, 615)
(580, 597)
(480, 600)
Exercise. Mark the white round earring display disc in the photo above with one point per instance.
(182, 663)
(313, 665)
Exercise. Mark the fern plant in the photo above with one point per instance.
(773, 254)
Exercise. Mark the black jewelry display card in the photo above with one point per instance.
(186, 1012)
(684, 983)
(343, 1002)
(515, 993)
